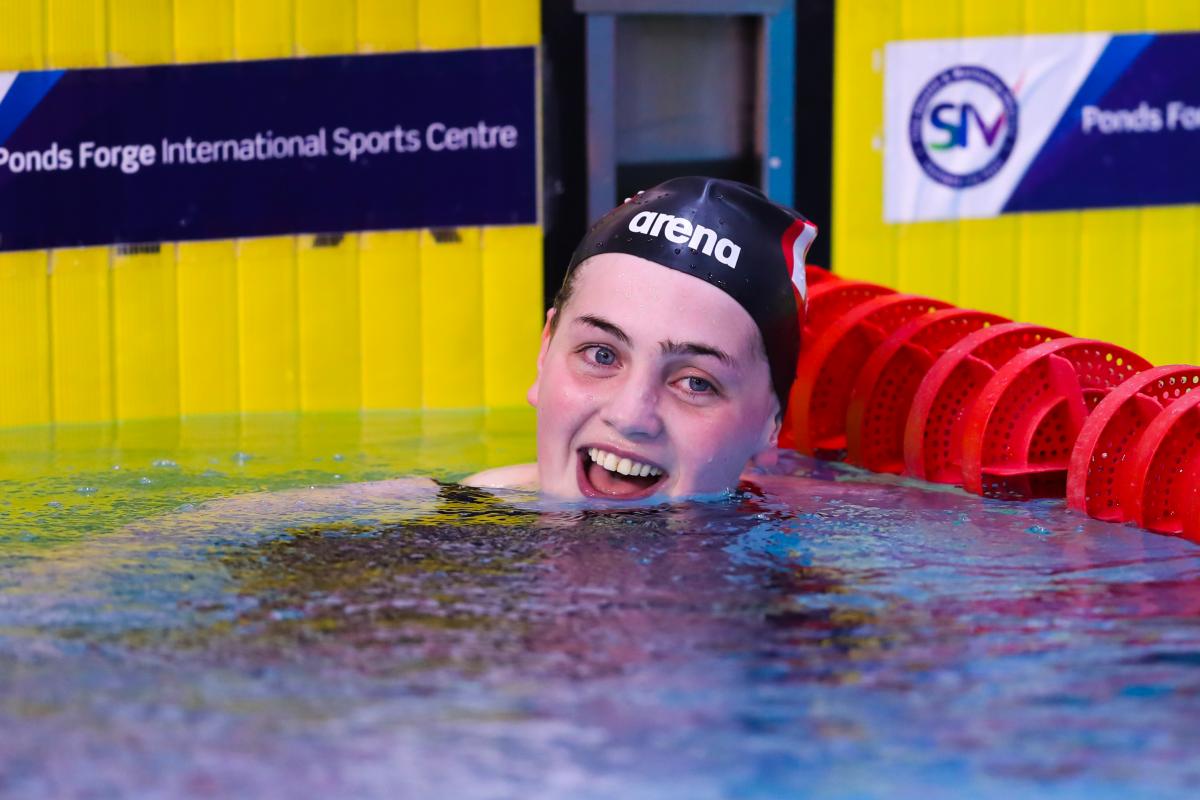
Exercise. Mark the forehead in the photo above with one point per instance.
(655, 303)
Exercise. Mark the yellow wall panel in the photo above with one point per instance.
(512, 312)
(24, 339)
(1110, 239)
(927, 252)
(451, 280)
(389, 261)
(1109, 15)
(511, 256)
(1109, 242)
(140, 32)
(81, 334)
(1166, 286)
(1169, 15)
(863, 246)
(22, 35)
(24, 300)
(508, 23)
(267, 327)
(324, 27)
(208, 327)
(1169, 292)
(268, 346)
(80, 313)
(263, 28)
(203, 30)
(451, 319)
(386, 25)
(1048, 291)
(989, 250)
(327, 266)
(328, 303)
(76, 33)
(145, 332)
(144, 282)
(207, 271)
(389, 292)
(447, 24)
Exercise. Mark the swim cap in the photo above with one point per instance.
(724, 233)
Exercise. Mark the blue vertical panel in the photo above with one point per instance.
(780, 105)
(601, 107)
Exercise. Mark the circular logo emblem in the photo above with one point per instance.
(963, 126)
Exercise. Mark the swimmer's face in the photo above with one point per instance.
(649, 365)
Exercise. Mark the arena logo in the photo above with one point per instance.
(963, 126)
(681, 231)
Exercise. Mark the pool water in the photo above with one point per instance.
(839, 635)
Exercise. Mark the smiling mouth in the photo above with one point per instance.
(611, 476)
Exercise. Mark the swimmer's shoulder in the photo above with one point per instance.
(514, 476)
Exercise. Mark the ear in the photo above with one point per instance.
(767, 455)
(774, 424)
(776, 427)
(532, 395)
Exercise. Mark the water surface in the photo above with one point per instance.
(838, 636)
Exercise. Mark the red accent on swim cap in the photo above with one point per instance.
(796, 240)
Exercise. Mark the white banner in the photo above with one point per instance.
(965, 118)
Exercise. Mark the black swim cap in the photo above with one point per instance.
(724, 233)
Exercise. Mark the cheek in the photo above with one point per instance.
(719, 446)
(563, 404)
(565, 391)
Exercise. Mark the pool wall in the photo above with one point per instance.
(449, 319)
(1126, 276)
(373, 320)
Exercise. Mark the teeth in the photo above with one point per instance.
(625, 466)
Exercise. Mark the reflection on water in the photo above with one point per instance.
(834, 635)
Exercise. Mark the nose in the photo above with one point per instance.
(632, 410)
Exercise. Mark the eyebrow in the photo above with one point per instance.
(671, 348)
(606, 326)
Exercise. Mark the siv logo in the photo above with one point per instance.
(681, 231)
(963, 126)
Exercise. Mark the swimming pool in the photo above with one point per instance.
(848, 636)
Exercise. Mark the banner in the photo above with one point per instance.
(257, 148)
(989, 126)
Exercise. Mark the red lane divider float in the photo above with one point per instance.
(814, 275)
(1099, 462)
(1191, 513)
(830, 363)
(933, 430)
(1018, 435)
(897, 383)
(1164, 470)
(883, 394)
(828, 301)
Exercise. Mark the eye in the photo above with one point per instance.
(694, 384)
(603, 356)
